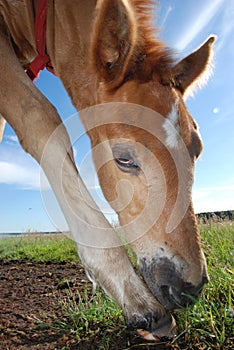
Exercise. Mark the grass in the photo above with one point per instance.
(54, 248)
(207, 325)
(86, 316)
(210, 321)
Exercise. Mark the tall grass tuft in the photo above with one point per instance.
(210, 322)
(89, 315)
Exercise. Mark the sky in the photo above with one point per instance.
(184, 27)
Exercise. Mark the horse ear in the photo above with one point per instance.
(193, 70)
(113, 40)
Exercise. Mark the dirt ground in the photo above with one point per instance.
(30, 292)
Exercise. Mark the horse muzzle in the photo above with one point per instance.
(168, 285)
(153, 327)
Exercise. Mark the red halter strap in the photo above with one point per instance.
(42, 60)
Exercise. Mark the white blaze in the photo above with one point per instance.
(171, 126)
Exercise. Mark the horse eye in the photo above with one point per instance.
(125, 158)
(127, 163)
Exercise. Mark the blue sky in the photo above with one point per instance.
(184, 26)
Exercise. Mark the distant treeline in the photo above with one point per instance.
(217, 216)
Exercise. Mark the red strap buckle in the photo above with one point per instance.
(42, 60)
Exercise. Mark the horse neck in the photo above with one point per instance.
(69, 31)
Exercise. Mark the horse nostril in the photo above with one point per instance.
(138, 321)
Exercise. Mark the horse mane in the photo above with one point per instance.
(151, 54)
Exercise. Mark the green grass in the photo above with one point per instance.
(206, 325)
(210, 321)
(86, 316)
(36, 248)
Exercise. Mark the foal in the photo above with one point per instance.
(130, 94)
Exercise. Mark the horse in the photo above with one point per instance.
(130, 93)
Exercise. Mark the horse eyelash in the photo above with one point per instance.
(127, 163)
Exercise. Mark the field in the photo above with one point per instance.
(46, 301)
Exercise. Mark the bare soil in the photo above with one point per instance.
(30, 292)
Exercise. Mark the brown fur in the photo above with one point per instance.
(147, 52)
(105, 52)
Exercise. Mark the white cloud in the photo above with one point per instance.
(21, 170)
(165, 16)
(17, 174)
(18, 168)
(200, 20)
(10, 139)
(227, 26)
(213, 198)
(216, 110)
